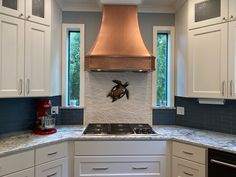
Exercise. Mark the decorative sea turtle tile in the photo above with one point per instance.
(119, 90)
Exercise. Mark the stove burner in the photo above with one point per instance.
(120, 129)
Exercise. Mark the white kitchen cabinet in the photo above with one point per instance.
(37, 59)
(232, 61)
(12, 56)
(57, 168)
(204, 13)
(232, 10)
(185, 168)
(14, 8)
(142, 166)
(121, 158)
(23, 173)
(188, 160)
(208, 62)
(38, 11)
(30, 56)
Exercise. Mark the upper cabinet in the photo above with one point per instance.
(32, 10)
(209, 12)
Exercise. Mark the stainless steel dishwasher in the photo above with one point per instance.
(221, 164)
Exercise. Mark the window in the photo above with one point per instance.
(163, 77)
(73, 65)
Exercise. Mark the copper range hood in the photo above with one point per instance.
(119, 45)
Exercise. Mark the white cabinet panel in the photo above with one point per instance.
(204, 13)
(232, 10)
(117, 166)
(232, 60)
(57, 168)
(185, 168)
(11, 56)
(37, 59)
(24, 173)
(39, 11)
(14, 8)
(208, 62)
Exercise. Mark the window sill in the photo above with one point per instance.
(163, 108)
(71, 107)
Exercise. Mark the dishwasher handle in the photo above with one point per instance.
(223, 163)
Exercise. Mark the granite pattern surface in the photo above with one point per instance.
(26, 141)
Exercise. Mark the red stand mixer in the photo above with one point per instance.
(45, 123)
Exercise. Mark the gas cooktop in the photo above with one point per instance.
(118, 129)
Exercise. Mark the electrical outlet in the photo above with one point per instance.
(55, 110)
(180, 111)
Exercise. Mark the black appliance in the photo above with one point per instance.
(221, 164)
(118, 129)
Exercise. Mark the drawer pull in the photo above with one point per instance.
(189, 174)
(53, 153)
(188, 153)
(52, 175)
(102, 168)
(140, 168)
(223, 163)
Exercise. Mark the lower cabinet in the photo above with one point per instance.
(24, 173)
(57, 168)
(120, 166)
(185, 168)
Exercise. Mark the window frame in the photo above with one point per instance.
(171, 69)
(65, 39)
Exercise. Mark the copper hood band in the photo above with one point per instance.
(119, 45)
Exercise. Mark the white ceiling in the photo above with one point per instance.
(154, 6)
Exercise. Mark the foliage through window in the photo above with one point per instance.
(73, 68)
(162, 69)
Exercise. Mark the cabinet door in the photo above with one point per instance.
(232, 61)
(185, 168)
(205, 12)
(232, 10)
(38, 11)
(24, 173)
(11, 56)
(208, 62)
(37, 59)
(57, 168)
(14, 8)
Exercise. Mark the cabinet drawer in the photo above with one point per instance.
(49, 153)
(16, 162)
(189, 152)
(187, 168)
(24, 173)
(93, 148)
(120, 166)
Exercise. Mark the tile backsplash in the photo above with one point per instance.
(99, 108)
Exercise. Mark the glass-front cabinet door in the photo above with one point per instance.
(207, 12)
(14, 8)
(38, 11)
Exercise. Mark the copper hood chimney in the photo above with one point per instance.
(119, 45)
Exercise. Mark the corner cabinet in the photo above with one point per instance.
(29, 59)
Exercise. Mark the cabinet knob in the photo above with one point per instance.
(21, 15)
(28, 17)
(224, 19)
(231, 17)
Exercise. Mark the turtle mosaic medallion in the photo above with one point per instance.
(119, 90)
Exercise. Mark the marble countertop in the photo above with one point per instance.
(27, 141)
